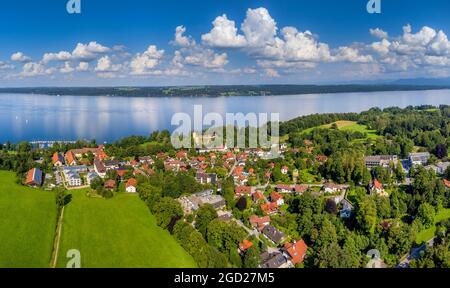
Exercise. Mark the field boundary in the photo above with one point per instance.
(57, 240)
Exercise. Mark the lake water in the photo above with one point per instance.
(41, 117)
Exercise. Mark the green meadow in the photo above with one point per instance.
(118, 232)
(347, 126)
(27, 224)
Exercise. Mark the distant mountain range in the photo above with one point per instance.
(235, 90)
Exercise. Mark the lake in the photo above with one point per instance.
(40, 117)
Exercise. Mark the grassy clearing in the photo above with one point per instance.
(119, 232)
(348, 126)
(428, 234)
(27, 224)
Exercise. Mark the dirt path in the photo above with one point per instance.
(56, 241)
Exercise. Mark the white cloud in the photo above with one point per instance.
(353, 55)
(89, 51)
(224, 34)
(259, 27)
(83, 66)
(379, 33)
(272, 73)
(60, 56)
(20, 57)
(6, 66)
(143, 64)
(104, 64)
(181, 39)
(207, 58)
(32, 69)
(67, 68)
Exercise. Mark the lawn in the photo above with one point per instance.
(119, 232)
(428, 234)
(27, 224)
(348, 126)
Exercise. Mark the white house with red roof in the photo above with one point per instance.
(377, 188)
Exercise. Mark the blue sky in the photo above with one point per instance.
(134, 42)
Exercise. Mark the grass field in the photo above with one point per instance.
(119, 232)
(348, 126)
(428, 234)
(27, 224)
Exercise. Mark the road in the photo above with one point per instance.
(414, 254)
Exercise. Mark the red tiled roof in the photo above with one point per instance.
(110, 184)
(256, 221)
(269, 207)
(258, 196)
(121, 172)
(447, 183)
(131, 183)
(275, 196)
(300, 188)
(245, 245)
(377, 184)
(297, 251)
(243, 190)
(70, 157)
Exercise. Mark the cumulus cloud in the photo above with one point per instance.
(20, 57)
(89, 51)
(224, 34)
(6, 66)
(144, 63)
(181, 39)
(67, 68)
(83, 66)
(379, 33)
(32, 69)
(104, 64)
(259, 27)
(207, 58)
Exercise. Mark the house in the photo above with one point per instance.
(296, 251)
(146, 160)
(181, 155)
(331, 188)
(99, 168)
(447, 183)
(243, 190)
(58, 159)
(377, 188)
(111, 164)
(259, 222)
(439, 168)
(70, 159)
(321, 158)
(284, 170)
(224, 215)
(347, 209)
(34, 178)
(300, 189)
(258, 196)
(269, 208)
(381, 161)
(73, 178)
(206, 197)
(277, 198)
(206, 178)
(131, 185)
(110, 184)
(273, 260)
(91, 176)
(283, 188)
(419, 159)
(245, 245)
(273, 234)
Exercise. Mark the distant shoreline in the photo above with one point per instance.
(217, 91)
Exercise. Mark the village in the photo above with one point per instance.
(265, 196)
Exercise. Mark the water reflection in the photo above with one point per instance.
(41, 117)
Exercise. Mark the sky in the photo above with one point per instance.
(158, 43)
